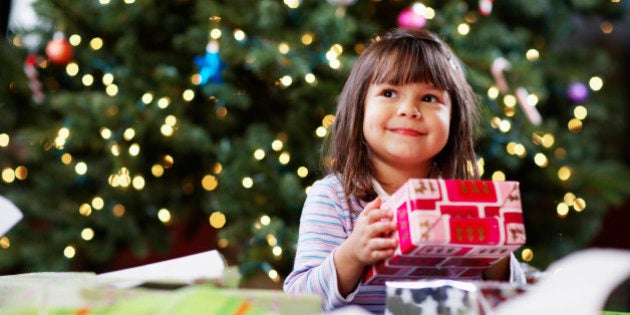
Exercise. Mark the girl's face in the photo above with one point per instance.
(405, 126)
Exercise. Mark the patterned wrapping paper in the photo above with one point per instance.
(443, 297)
(446, 297)
(451, 229)
(74, 293)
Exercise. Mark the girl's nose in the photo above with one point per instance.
(408, 109)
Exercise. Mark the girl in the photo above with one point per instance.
(405, 111)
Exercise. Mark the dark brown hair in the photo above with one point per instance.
(400, 57)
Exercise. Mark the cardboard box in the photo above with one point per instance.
(451, 229)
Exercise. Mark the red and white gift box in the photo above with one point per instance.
(451, 229)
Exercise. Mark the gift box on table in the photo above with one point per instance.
(448, 296)
(451, 229)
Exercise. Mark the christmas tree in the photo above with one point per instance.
(136, 129)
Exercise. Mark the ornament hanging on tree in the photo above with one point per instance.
(210, 65)
(577, 92)
(485, 7)
(530, 110)
(33, 78)
(498, 66)
(59, 50)
(412, 17)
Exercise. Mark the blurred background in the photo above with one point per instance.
(136, 131)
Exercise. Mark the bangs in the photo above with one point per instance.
(403, 62)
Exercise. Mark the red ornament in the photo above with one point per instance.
(412, 17)
(59, 50)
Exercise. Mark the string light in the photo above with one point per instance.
(247, 182)
(21, 172)
(562, 209)
(273, 275)
(307, 38)
(239, 35)
(283, 48)
(118, 210)
(302, 171)
(147, 98)
(157, 170)
(81, 168)
(107, 79)
(129, 134)
(284, 158)
(209, 182)
(493, 92)
(579, 205)
(72, 69)
(87, 80)
(498, 176)
(217, 168)
(69, 252)
(532, 54)
(4, 140)
(310, 79)
(170, 120)
(259, 154)
(115, 149)
(541, 160)
(5, 242)
(580, 112)
(111, 90)
(217, 220)
(223, 243)
(564, 173)
(463, 29)
(134, 149)
(575, 125)
(96, 43)
(265, 220)
(286, 81)
(74, 39)
(164, 215)
(8, 175)
(138, 182)
(87, 234)
(164, 102)
(271, 240)
(188, 95)
(66, 158)
(277, 145)
(97, 203)
(527, 254)
(596, 83)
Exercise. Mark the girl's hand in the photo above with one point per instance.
(373, 238)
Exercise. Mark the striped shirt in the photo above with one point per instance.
(326, 221)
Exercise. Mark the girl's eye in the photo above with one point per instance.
(389, 93)
(430, 98)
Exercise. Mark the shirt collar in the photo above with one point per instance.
(379, 190)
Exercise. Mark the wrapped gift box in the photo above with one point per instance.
(449, 296)
(451, 229)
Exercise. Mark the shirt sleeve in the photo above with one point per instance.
(324, 225)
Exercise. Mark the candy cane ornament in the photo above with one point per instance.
(530, 111)
(485, 7)
(33, 78)
(498, 66)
